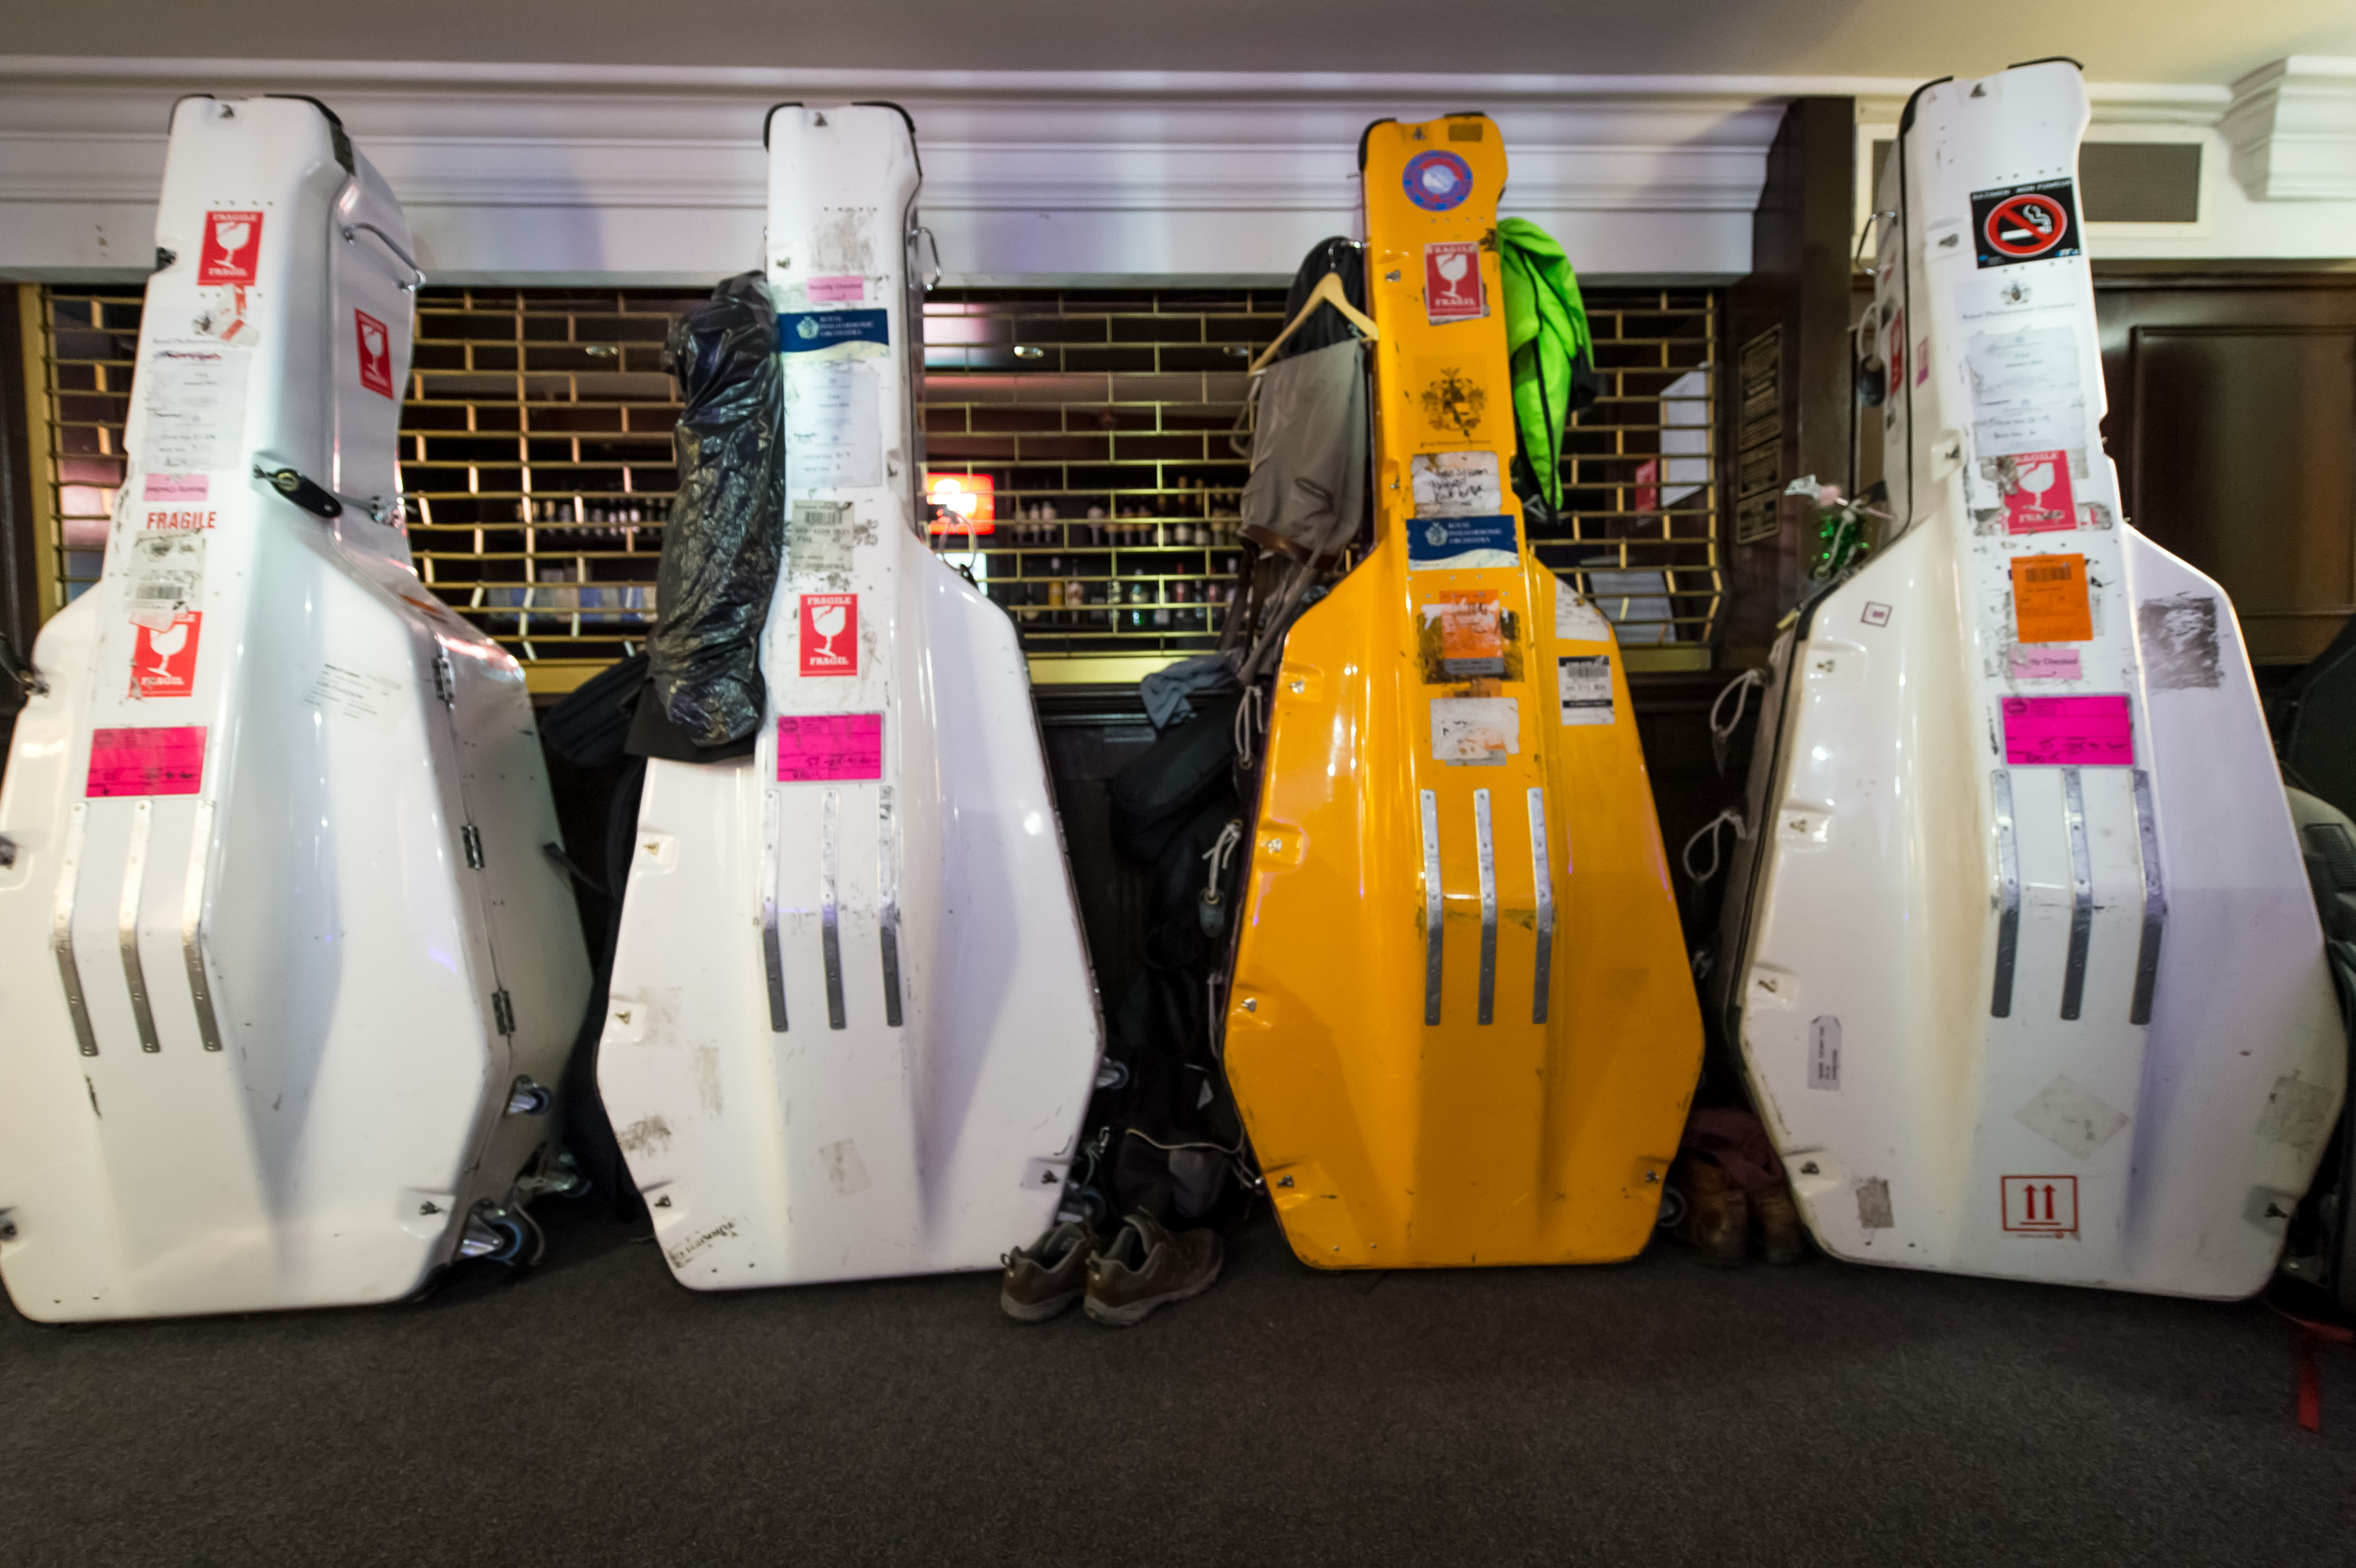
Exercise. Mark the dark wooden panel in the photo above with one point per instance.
(1798, 285)
(2245, 459)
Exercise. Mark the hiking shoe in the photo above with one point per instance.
(1777, 1220)
(1048, 1275)
(1146, 1266)
(1717, 1222)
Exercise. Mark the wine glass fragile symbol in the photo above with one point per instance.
(826, 620)
(231, 238)
(1453, 268)
(166, 643)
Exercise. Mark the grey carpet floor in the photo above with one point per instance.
(593, 1413)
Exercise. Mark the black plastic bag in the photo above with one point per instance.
(726, 535)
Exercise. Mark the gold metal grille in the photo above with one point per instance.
(536, 457)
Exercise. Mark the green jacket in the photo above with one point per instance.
(1545, 328)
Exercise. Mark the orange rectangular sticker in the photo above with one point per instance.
(1467, 636)
(2049, 602)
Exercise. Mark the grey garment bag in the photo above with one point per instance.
(1307, 492)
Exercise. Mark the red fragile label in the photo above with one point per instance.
(2037, 495)
(232, 247)
(1452, 290)
(830, 634)
(376, 353)
(2069, 731)
(163, 662)
(814, 748)
(164, 761)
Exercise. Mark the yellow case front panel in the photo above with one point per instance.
(1519, 1127)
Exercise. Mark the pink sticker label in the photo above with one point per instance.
(2045, 662)
(821, 747)
(837, 291)
(166, 761)
(174, 487)
(2068, 731)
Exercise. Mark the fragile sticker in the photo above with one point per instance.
(1455, 484)
(2012, 224)
(1451, 544)
(161, 760)
(2069, 731)
(376, 353)
(1584, 684)
(1475, 731)
(2051, 603)
(2035, 486)
(1452, 289)
(164, 660)
(232, 248)
(830, 634)
(2035, 662)
(817, 748)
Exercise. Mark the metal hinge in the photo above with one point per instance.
(503, 1011)
(446, 679)
(473, 840)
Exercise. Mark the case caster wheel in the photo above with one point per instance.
(501, 1234)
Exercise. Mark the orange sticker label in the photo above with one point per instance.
(1470, 633)
(2050, 601)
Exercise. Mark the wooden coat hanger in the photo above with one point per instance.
(1327, 292)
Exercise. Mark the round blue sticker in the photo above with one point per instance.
(1437, 181)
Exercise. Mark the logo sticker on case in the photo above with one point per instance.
(376, 353)
(830, 634)
(1437, 181)
(232, 248)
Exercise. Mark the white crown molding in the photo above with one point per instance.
(526, 170)
(2293, 129)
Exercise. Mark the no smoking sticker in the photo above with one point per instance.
(2012, 224)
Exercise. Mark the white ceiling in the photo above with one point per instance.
(2118, 41)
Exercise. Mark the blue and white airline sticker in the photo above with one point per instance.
(1437, 181)
(835, 334)
(1453, 544)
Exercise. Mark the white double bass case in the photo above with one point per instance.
(284, 971)
(2021, 957)
(852, 1029)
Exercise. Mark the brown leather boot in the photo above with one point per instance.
(1777, 1220)
(1717, 1222)
(1048, 1275)
(1147, 1266)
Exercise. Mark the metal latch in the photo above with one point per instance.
(503, 1011)
(446, 678)
(473, 840)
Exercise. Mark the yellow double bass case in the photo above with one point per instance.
(1460, 1028)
